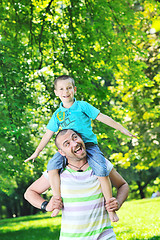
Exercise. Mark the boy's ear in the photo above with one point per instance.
(61, 152)
(55, 92)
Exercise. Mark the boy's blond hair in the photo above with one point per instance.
(63, 77)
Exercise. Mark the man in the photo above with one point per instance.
(84, 216)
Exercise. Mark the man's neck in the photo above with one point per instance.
(78, 164)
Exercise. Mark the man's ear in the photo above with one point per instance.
(61, 152)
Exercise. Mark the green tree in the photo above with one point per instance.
(104, 46)
(144, 101)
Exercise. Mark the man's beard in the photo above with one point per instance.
(78, 148)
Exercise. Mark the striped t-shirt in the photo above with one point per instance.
(84, 216)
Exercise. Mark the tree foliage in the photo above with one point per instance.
(110, 48)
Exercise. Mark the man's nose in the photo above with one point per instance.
(73, 143)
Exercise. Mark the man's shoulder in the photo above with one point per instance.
(45, 174)
(89, 169)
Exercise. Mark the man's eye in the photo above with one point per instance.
(75, 137)
(67, 144)
(70, 87)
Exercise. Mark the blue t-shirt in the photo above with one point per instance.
(77, 117)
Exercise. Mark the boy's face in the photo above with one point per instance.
(65, 91)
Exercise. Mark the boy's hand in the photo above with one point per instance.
(54, 203)
(112, 204)
(126, 132)
(32, 157)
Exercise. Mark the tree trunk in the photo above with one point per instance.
(140, 190)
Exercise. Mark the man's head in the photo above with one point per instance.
(71, 145)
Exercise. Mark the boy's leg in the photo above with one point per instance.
(107, 192)
(97, 162)
(54, 180)
(57, 162)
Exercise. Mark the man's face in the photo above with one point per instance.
(71, 146)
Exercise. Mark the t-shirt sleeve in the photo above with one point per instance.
(89, 110)
(53, 124)
(45, 174)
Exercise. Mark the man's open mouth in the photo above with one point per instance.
(79, 148)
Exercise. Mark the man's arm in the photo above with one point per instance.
(45, 139)
(122, 187)
(110, 122)
(34, 191)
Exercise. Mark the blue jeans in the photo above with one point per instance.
(95, 158)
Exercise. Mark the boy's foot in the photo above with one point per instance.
(55, 212)
(113, 216)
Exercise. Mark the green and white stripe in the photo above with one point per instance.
(84, 216)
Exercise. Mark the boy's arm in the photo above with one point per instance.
(110, 122)
(113, 204)
(45, 139)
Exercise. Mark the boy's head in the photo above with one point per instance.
(65, 89)
(63, 78)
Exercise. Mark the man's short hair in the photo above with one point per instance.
(63, 78)
(63, 132)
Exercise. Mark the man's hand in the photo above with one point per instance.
(112, 204)
(54, 203)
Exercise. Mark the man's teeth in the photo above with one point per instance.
(77, 149)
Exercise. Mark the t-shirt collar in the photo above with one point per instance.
(66, 109)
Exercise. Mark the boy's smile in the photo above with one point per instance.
(65, 91)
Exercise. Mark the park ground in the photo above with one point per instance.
(139, 220)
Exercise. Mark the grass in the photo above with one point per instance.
(139, 220)
(40, 226)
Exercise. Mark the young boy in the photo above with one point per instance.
(77, 115)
